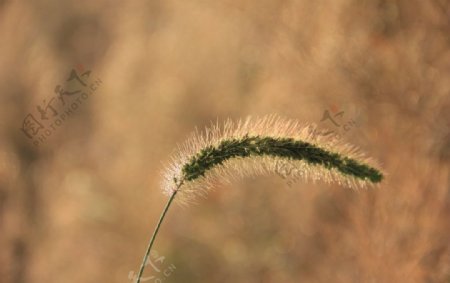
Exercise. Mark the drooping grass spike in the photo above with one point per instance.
(257, 146)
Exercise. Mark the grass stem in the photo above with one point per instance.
(152, 239)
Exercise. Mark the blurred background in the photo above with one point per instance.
(95, 95)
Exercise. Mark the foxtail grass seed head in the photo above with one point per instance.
(257, 146)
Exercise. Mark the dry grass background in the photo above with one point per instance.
(81, 206)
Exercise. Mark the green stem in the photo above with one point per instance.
(150, 244)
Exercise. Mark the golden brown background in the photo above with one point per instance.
(80, 207)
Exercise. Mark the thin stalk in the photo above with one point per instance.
(152, 239)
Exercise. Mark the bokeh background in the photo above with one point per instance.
(81, 204)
